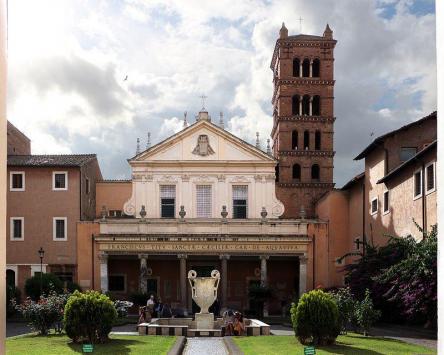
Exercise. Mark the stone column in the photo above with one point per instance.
(183, 280)
(224, 279)
(264, 282)
(310, 112)
(143, 274)
(302, 275)
(103, 257)
(300, 68)
(311, 68)
(300, 105)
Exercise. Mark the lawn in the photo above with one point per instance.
(61, 344)
(346, 344)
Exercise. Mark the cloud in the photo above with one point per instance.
(68, 61)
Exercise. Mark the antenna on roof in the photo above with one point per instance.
(148, 140)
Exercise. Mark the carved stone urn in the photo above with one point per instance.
(204, 289)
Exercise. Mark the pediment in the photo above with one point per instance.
(200, 142)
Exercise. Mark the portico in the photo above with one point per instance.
(153, 260)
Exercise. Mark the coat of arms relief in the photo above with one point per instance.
(203, 147)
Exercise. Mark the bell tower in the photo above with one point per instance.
(303, 119)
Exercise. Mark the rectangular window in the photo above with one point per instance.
(407, 153)
(430, 177)
(240, 198)
(417, 184)
(386, 202)
(60, 180)
(59, 228)
(87, 186)
(167, 201)
(117, 283)
(17, 181)
(65, 276)
(374, 206)
(203, 197)
(17, 228)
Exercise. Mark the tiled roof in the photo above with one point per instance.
(353, 181)
(50, 160)
(380, 139)
(303, 37)
(113, 180)
(413, 159)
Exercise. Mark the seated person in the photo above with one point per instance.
(238, 324)
(165, 312)
(228, 322)
(142, 318)
(158, 308)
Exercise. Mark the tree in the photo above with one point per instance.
(412, 281)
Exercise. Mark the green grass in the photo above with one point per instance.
(61, 344)
(346, 344)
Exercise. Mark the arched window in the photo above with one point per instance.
(296, 171)
(295, 105)
(306, 105)
(306, 68)
(296, 67)
(306, 140)
(316, 108)
(315, 172)
(316, 66)
(318, 140)
(276, 170)
(294, 140)
(10, 277)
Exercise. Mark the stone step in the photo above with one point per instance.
(204, 333)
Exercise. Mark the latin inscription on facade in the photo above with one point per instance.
(239, 248)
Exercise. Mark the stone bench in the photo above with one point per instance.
(264, 327)
(204, 332)
(156, 329)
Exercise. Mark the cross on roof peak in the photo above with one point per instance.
(203, 97)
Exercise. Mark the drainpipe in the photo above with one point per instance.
(314, 262)
(424, 214)
(92, 261)
(364, 239)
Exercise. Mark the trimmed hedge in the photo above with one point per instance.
(316, 318)
(89, 317)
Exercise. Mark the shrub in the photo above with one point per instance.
(315, 318)
(89, 317)
(258, 295)
(346, 306)
(50, 282)
(41, 315)
(366, 315)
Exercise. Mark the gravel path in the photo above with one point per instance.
(200, 346)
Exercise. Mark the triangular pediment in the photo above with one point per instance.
(200, 142)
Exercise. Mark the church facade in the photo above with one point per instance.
(204, 199)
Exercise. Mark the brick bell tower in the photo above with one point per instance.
(303, 119)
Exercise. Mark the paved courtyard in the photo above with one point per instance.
(199, 346)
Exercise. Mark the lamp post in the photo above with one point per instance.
(41, 253)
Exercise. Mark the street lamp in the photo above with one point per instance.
(41, 253)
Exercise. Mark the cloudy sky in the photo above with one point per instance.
(68, 61)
